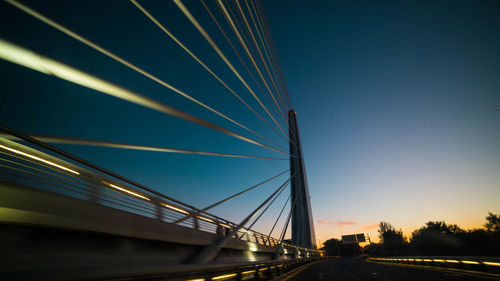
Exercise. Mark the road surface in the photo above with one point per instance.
(357, 269)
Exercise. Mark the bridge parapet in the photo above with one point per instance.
(46, 193)
(35, 165)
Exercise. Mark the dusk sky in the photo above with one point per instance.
(396, 103)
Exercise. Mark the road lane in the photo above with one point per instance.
(358, 269)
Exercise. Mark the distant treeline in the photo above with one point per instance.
(436, 238)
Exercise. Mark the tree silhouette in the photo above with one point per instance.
(434, 238)
(493, 223)
(437, 238)
(440, 238)
(392, 240)
(331, 246)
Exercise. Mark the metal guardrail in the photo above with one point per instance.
(247, 271)
(48, 168)
(481, 264)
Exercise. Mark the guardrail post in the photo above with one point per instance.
(159, 209)
(195, 221)
(279, 251)
(256, 238)
(95, 192)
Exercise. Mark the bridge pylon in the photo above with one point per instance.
(303, 234)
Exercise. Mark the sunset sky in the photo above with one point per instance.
(396, 102)
(397, 107)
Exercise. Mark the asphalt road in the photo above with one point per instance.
(357, 269)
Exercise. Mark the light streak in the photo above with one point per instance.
(175, 208)
(223, 277)
(29, 59)
(127, 191)
(470, 262)
(128, 64)
(39, 159)
(52, 139)
(491, 263)
(206, 219)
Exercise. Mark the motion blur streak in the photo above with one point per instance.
(29, 59)
(122, 61)
(39, 159)
(175, 208)
(224, 277)
(127, 191)
(52, 139)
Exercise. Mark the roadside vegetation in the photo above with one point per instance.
(435, 238)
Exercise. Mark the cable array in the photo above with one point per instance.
(246, 34)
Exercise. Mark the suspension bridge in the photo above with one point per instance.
(64, 217)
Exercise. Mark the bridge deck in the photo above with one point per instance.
(43, 233)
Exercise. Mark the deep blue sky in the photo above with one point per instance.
(395, 100)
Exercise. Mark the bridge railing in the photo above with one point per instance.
(27, 161)
(473, 263)
(248, 271)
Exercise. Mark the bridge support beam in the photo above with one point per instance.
(210, 252)
(303, 234)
